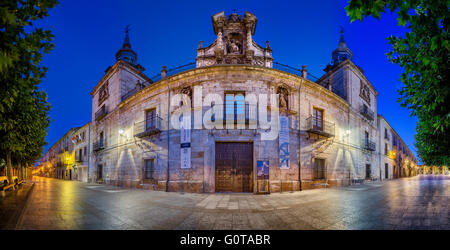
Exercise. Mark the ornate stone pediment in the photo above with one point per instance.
(103, 93)
(234, 43)
(364, 92)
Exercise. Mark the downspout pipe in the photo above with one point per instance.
(89, 150)
(299, 138)
(164, 75)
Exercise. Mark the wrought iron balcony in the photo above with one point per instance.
(100, 113)
(320, 126)
(158, 77)
(367, 113)
(368, 145)
(99, 145)
(239, 111)
(148, 127)
(79, 159)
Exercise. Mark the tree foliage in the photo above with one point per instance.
(423, 53)
(24, 108)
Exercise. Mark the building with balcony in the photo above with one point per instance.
(396, 159)
(326, 134)
(204, 126)
(59, 160)
(82, 151)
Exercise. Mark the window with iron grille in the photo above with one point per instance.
(318, 119)
(150, 118)
(234, 104)
(319, 169)
(148, 169)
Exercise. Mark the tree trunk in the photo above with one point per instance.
(9, 166)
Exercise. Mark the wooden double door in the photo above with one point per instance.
(234, 167)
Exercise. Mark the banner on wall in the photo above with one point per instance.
(283, 138)
(263, 170)
(185, 142)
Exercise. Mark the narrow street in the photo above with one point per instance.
(421, 202)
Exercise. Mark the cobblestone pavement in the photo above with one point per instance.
(421, 202)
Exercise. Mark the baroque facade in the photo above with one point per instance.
(319, 133)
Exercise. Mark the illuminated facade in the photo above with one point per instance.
(81, 144)
(59, 160)
(396, 160)
(326, 130)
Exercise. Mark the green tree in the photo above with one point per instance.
(423, 53)
(24, 108)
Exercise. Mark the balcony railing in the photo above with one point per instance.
(320, 126)
(100, 113)
(148, 127)
(368, 144)
(386, 136)
(99, 145)
(366, 112)
(128, 94)
(157, 77)
(241, 113)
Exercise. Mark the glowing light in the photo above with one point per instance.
(120, 131)
(347, 131)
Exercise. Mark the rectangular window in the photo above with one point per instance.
(317, 119)
(150, 119)
(385, 149)
(148, 169)
(234, 104)
(319, 169)
(85, 149)
(80, 154)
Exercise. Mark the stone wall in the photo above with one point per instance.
(123, 158)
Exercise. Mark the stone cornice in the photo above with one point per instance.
(119, 65)
(354, 68)
(217, 70)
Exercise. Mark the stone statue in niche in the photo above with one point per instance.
(234, 45)
(187, 91)
(103, 93)
(283, 97)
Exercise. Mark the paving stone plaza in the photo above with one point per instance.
(421, 202)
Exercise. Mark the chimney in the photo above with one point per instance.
(163, 72)
(304, 72)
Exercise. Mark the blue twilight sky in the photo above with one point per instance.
(88, 34)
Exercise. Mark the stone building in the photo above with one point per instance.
(210, 125)
(58, 161)
(396, 160)
(81, 141)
